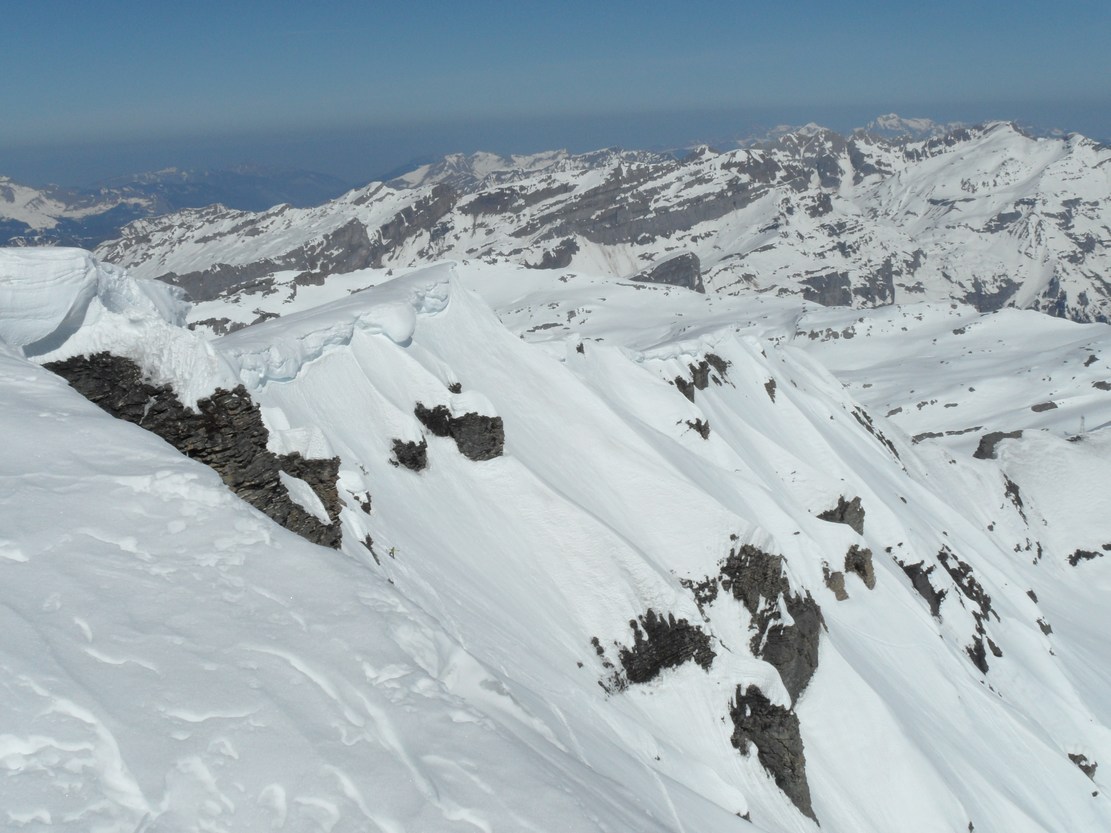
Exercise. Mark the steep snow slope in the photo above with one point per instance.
(988, 216)
(469, 658)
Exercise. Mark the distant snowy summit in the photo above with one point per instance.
(892, 126)
(904, 210)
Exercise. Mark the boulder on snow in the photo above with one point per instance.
(849, 512)
(477, 437)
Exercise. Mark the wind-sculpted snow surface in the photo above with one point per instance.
(177, 661)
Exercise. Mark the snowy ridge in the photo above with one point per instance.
(986, 215)
(463, 662)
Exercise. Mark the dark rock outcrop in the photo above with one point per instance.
(835, 581)
(225, 432)
(1086, 766)
(848, 512)
(775, 733)
(756, 579)
(477, 437)
(558, 257)
(858, 560)
(1083, 555)
(701, 426)
(663, 642)
(412, 455)
(961, 574)
(683, 270)
(710, 367)
(986, 449)
(919, 576)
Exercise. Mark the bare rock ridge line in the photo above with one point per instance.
(226, 433)
(861, 220)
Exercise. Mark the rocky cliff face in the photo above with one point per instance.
(985, 215)
(226, 433)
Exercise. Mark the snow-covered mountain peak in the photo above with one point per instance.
(894, 126)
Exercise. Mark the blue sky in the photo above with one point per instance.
(354, 88)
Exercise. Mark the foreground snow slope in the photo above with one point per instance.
(198, 667)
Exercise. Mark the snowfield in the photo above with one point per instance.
(591, 629)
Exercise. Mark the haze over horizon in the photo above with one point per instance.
(355, 89)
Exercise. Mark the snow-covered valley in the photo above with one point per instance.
(606, 555)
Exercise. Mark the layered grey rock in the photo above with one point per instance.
(225, 432)
(774, 731)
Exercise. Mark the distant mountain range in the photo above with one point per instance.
(899, 211)
(55, 215)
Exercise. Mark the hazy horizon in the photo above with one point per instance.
(356, 89)
(360, 154)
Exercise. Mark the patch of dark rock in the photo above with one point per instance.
(701, 426)
(700, 374)
(829, 290)
(1101, 385)
(661, 642)
(717, 363)
(774, 731)
(756, 579)
(858, 560)
(683, 270)
(225, 432)
(1043, 406)
(919, 576)
(966, 582)
(977, 654)
(848, 512)
(455, 387)
(769, 386)
(1090, 360)
(579, 348)
(835, 581)
(1033, 596)
(986, 449)
(477, 437)
(1086, 766)
(988, 297)
(1047, 628)
(865, 420)
(411, 455)
(363, 499)
(558, 257)
(368, 542)
(1012, 492)
(220, 326)
(613, 681)
(705, 591)
(1083, 555)
(686, 388)
(961, 574)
